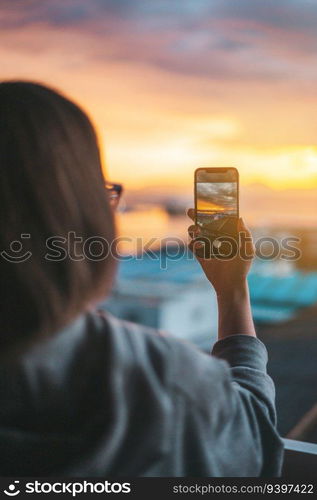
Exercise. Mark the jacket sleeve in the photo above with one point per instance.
(225, 423)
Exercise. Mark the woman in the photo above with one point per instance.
(85, 394)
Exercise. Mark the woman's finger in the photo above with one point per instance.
(193, 231)
(246, 239)
(194, 245)
(191, 213)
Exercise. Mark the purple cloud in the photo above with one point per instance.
(222, 39)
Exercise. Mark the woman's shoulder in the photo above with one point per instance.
(134, 343)
(174, 361)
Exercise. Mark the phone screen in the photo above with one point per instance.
(216, 194)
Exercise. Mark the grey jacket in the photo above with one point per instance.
(105, 397)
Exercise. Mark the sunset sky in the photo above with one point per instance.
(216, 196)
(173, 85)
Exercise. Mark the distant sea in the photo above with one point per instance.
(150, 224)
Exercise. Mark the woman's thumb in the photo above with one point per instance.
(247, 238)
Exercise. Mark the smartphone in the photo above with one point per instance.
(217, 204)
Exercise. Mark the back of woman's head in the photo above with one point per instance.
(55, 217)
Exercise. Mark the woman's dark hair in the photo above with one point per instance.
(56, 224)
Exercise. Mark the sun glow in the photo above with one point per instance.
(160, 116)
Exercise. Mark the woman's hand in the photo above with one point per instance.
(225, 274)
(229, 279)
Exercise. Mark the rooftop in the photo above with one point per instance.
(278, 291)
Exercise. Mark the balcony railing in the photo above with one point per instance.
(300, 461)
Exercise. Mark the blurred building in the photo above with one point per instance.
(172, 294)
(177, 299)
(279, 291)
(292, 347)
(306, 243)
(308, 247)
